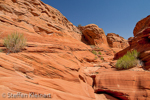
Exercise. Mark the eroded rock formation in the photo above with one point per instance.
(50, 62)
(93, 34)
(140, 41)
(35, 17)
(133, 83)
(116, 41)
(55, 60)
(124, 85)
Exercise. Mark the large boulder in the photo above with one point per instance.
(94, 35)
(116, 41)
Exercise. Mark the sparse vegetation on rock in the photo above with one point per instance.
(102, 58)
(99, 53)
(129, 60)
(15, 42)
(95, 57)
(79, 25)
(94, 52)
(1, 50)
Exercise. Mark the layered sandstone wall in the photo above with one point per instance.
(36, 17)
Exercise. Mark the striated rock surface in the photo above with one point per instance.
(123, 85)
(50, 62)
(36, 17)
(44, 73)
(130, 84)
(55, 60)
(141, 25)
(116, 41)
(93, 34)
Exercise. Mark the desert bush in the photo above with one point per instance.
(129, 60)
(1, 50)
(95, 57)
(80, 29)
(102, 58)
(14, 42)
(94, 52)
(99, 53)
(79, 25)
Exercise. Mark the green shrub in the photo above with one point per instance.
(79, 25)
(99, 53)
(129, 60)
(1, 50)
(94, 52)
(102, 58)
(95, 57)
(14, 42)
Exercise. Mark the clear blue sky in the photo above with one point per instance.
(117, 16)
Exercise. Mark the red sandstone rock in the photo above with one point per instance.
(48, 64)
(139, 42)
(44, 73)
(55, 62)
(137, 79)
(130, 40)
(94, 35)
(36, 17)
(141, 25)
(116, 41)
(124, 85)
(104, 49)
